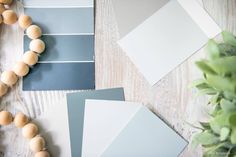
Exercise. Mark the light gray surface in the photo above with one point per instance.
(131, 13)
(66, 47)
(76, 106)
(63, 20)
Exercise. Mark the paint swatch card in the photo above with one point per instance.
(68, 61)
(76, 107)
(160, 35)
(118, 128)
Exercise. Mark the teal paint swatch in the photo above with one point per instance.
(66, 47)
(146, 136)
(60, 76)
(63, 20)
(76, 106)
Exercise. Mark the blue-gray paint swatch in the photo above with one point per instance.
(66, 47)
(76, 106)
(60, 76)
(146, 136)
(63, 20)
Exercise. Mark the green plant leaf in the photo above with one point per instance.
(205, 138)
(212, 49)
(232, 119)
(205, 67)
(227, 106)
(219, 122)
(229, 38)
(224, 133)
(227, 50)
(233, 136)
(221, 83)
(223, 65)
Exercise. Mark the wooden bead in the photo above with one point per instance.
(37, 144)
(30, 58)
(5, 118)
(30, 130)
(9, 78)
(1, 20)
(3, 89)
(42, 154)
(37, 45)
(6, 2)
(34, 32)
(21, 69)
(24, 21)
(20, 120)
(2, 8)
(9, 17)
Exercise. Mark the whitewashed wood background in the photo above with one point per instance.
(170, 98)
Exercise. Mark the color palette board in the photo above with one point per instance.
(160, 35)
(68, 62)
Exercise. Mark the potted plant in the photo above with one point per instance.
(218, 135)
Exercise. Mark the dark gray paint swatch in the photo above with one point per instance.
(63, 20)
(131, 13)
(76, 106)
(66, 47)
(61, 76)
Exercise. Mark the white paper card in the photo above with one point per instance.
(103, 122)
(168, 37)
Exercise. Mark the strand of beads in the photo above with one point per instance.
(29, 131)
(21, 68)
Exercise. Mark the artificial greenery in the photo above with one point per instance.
(218, 135)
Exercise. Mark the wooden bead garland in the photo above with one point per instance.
(21, 68)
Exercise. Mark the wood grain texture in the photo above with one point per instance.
(170, 98)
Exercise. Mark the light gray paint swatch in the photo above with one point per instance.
(58, 3)
(66, 47)
(146, 136)
(130, 13)
(60, 76)
(63, 20)
(163, 41)
(76, 107)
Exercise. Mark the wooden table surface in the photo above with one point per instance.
(170, 98)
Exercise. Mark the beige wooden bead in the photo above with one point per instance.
(21, 69)
(37, 45)
(7, 2)
(9, 78)
(20, 120)
(30, 58)
(34, 32)
(30, 130)
(3, 89)
(9, 17)
(24, 21)
(37, 144)
(42, 154)
(5, 118)
(2, 8)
